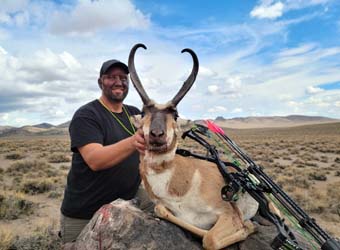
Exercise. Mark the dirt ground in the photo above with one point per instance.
(304, 160)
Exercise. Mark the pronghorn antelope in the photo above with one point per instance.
(186, 191)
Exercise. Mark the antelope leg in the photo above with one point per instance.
(164, 213)
(228, 230)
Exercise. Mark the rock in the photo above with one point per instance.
(121, 225)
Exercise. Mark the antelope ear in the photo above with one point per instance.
(136, 120)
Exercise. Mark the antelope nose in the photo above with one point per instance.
(157, 133)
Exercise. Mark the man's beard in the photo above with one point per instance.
(116, 97)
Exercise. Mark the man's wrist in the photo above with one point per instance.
(132, 142)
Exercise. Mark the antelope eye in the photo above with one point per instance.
(174, 112)
(171, 110)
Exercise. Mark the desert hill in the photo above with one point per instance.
(272, 121)
(39, 129)
(236, 123)
(43, 125)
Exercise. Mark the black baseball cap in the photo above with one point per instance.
(110, 63)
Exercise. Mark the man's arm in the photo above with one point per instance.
(99, 157)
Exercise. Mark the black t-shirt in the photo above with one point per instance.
(86, 190)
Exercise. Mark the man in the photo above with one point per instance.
(105, 158)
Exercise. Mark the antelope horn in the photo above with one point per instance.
(133, 74)
(190, 81)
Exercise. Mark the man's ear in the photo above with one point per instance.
(100, 83)
(136, 120)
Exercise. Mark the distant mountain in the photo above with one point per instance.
(45, 129)
(64, 125)
(4, 129)
(43, 125)
(33, 131)
(272, 121)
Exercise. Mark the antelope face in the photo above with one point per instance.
(160, 127)
(159, 121)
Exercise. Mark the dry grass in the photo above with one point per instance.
(6, 239)
(58, 157)
(32, 190)
(15, 156)
(305, 161)
(14, 205)
(42, 237)
(36, 186)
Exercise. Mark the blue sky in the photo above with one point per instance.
(257, 58)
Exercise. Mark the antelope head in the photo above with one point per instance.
(159, 120)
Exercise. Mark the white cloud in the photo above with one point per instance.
(268, 10)
(313, 90)
(14, 13)
(304, 56)
(13, 6)
(236, 110)
(272, 9)
(44, 87)
(206, 72)
(5, 18)
(234, 82)
(4, 34)
(318, 101)
(294, 103)
(4, 118)
(217, 109)
(302, 49)
(213, 89)
(69, 60)
(285, 97)
(300, 4)
(3, 51)
(87, 17)
(45, 66)
(245, 72)
(21, 18)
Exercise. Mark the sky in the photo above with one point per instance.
(257, 58)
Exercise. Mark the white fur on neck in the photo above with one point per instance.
(157, 159)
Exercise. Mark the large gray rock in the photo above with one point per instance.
(121, 225)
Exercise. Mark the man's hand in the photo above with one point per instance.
(99, 157)
(139, 141)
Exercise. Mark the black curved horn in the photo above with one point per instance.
(133, 74)
(190, 81)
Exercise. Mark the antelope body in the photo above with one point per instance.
(186, 191)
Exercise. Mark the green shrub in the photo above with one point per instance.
(15, 156)
(42, 238)
(36, 186)
(12, 206)
(57, 158)
(54, 194)
(24, 167)
(64, 167)
(317, 176)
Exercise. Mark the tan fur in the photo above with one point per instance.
(187, 191)
(180, 185)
